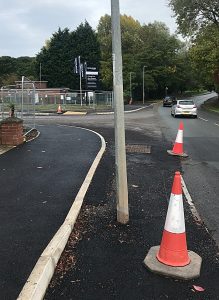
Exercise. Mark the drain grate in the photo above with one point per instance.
(138, 149)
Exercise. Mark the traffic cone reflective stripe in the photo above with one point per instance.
(175, 215)
(173, 248)
(178, 146)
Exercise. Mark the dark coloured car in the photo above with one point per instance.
(168, 101)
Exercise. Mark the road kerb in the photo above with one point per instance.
(126, 112)
(39, 279)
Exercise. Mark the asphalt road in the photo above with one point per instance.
(106, 260)
(39, 181)
(201, 140)
(201, 169)
(143, 127)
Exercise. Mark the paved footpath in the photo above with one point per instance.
(39, 181)
(104, 260)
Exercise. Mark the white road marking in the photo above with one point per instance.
(216, 124)
(190, 202)
(203, 119)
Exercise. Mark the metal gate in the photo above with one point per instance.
(23, 97)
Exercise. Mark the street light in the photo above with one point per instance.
(166, 89)
(120, 151)
(143, 83)
(130, 82)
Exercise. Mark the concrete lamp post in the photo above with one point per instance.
(166, 90)
(130, 83)
(143, 84)
(120, 151)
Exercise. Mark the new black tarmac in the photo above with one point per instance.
(104, 259)
(39, 181)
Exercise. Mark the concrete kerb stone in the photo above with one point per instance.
(126, 112)
(191, 271)
(39, 279)
(38, 133)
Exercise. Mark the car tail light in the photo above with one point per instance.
(195, 106)
(178, 106)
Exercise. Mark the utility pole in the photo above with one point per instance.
(120, 151)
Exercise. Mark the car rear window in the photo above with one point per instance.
(187, 102)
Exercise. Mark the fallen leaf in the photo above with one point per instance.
(198, 288)
(135, 186)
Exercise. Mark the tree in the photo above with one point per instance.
(7, 68)
(26, 66)
(87, 47)
(204, 54)
(87, 44)
(11, 69)
(192, 15)
(56, 59)
(151, 46)
(199, 19)
(129, 32)
(159, 52)
(57, 56)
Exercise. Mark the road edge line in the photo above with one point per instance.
(190, 202)
(39, 279)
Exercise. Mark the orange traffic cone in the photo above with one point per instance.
(178, 145)
(173, 249)
(171, 257)
(59, 111)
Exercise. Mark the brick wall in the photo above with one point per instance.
(11, 131)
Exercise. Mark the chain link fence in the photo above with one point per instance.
(22, 96)
(73, 99)
(28, 101)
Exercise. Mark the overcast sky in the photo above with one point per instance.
(25, 25)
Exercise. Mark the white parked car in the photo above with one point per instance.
(184, 108)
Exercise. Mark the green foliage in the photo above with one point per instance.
(204, 54)
(200, 21)
(57, 56)
(11, 69)
(151, 46)
(56, 59)
(87, 45)
(192, 15)
(165, 59)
